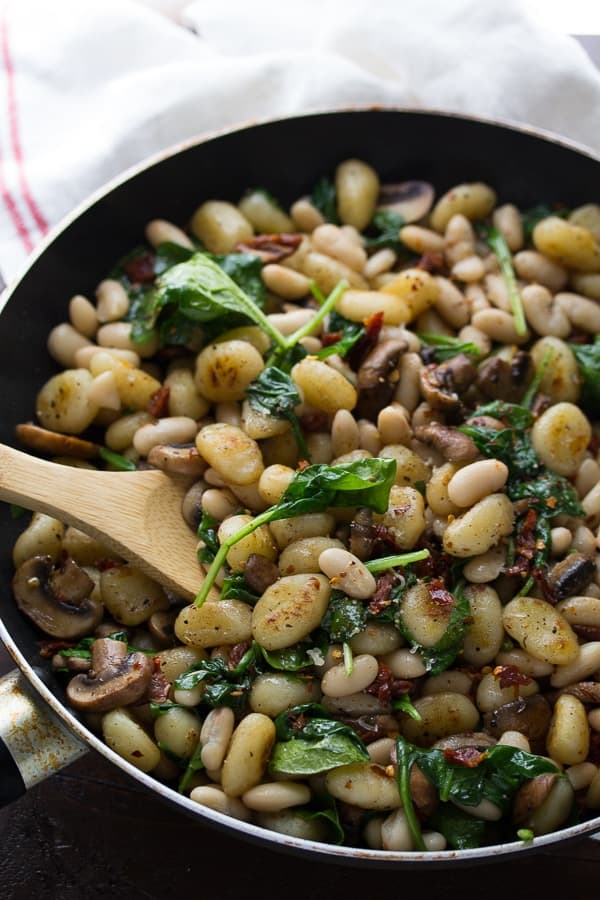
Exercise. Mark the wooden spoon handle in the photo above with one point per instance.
(135, 514)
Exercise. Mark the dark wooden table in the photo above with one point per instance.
(90, 833)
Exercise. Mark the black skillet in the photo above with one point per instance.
(286, 157)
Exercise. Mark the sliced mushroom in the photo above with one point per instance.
(162, 627)
(451, 443)
(72, 663)
(191, 508)
(53, 614)
(571, 576)
(117, 678)
(70, 583)
(586, 691)
(410, 199)
(478, 739)
(544, 803)
(260, 573)
(378, 376)
(529, 715)
(503, 379)
(424, 794)
(441, 385)
(179, 459)
(362, 536)
(54, 443)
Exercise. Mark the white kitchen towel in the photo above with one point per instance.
(89, 88)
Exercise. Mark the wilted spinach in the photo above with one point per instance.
(439, 347)
(365, 482)
(439, 657)
(309, 742)
(388, 223)
(223, 686)
(497, 242)
(345, 617)
(588, 360)
(274, 393)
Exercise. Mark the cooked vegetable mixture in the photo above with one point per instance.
(385, 404)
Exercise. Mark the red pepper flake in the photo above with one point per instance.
(470, 757)
(551, 502)
(439, 594)
(137, 753)
(373, 325)
(302, 465)
(330, 337)
(158, 405)
(510, 676)
(381, 599)
(140, 269)
(271, 247)
(525, 545)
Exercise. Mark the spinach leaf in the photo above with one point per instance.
(388, 223)
(274, 393)
(207, 532)
(404, 704)
(194, 765)
(365, 482)
(307, 745)
(345, 617)
(301, 757)
(205, 293)
(236, 587)
(169, 254)
(324, 197)
(497, 242)
(588, 360)
(330, 817)
(495, 775)
(551, 494)
(461, 830)
(405, 758)
(144, 307)
(245, 269)
(290, 659)
(160, 709)
(440, 347)
(349, 335)
(439, 657)
(222, 686)
(531, 217)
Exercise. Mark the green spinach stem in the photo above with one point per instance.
(390, 562)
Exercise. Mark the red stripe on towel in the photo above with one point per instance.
(13, 122)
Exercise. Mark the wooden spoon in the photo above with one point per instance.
(136, 514)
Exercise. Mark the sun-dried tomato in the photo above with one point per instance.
(470, 757)
(236, 653)
(314, 421)
(158, 405)
(365, 344)
(271, 247)
(510, 676)
(49, 648)
(381, 598)
(430, 262)
(438, 593)
(140, 269)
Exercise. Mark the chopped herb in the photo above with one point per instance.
(525, 834)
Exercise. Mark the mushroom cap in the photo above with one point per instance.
(117, 678)
(54, 614)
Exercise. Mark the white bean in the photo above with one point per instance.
(347, 573)
(475, 481)
(112, 300)
(338, 683)
(215, 735)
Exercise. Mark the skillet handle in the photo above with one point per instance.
(33, 743)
